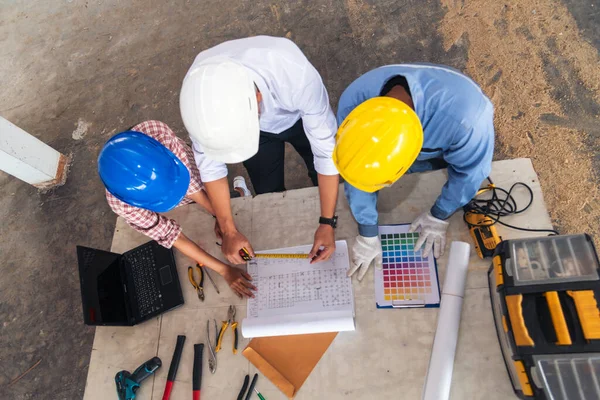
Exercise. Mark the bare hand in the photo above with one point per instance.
(324, 244)
(233, 242)
(239, 282)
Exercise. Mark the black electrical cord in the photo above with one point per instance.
(496, 207)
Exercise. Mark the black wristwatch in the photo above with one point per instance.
(329, 221)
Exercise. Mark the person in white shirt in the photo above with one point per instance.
(240, 102)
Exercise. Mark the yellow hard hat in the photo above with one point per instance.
(377, 143)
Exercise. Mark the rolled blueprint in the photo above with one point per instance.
(441, 363)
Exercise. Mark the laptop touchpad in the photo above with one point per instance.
(165, 275)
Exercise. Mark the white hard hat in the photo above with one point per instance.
(219, 110)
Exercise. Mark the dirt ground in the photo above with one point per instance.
(75, 72)
(542, 76)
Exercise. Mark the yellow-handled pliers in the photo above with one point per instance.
(198, 286)
(230, 321)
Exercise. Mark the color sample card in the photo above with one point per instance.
(407, 279)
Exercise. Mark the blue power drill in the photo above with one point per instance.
(128, 383)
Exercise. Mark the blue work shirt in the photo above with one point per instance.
(458, 130)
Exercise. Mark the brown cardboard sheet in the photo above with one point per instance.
(288, 360)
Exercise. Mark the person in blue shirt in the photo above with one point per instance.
(408, 118)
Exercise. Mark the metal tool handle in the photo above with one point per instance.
(145, 370)
(197, 372)
(234, 326)
(212, 355)
(221, 333)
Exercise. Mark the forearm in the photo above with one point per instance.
(328, 194)
(458, 191)
(218, 195)
(364, 209)
(193, 251)
(324, 244)
(203, 201)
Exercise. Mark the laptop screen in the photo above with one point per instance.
(102, 287)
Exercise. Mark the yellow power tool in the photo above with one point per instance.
(481, 228)
(484, 234)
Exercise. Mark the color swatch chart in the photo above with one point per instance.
(407, 279)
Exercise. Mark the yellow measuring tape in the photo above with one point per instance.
(246, 256)
(274, 255)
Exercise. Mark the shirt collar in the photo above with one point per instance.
(416, 95)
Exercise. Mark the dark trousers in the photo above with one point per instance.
(266, 168)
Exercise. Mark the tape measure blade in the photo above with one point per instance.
(273, 255)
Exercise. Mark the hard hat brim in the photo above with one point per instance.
(235, 155)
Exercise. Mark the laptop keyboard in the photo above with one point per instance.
(143, 270)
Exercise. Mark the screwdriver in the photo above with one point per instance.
(209, 277)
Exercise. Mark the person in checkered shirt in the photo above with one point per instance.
(148, 170)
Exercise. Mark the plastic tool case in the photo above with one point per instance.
(545, 294)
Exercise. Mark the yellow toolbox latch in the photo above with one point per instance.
(498, 270)
(517, 322)
(523, 378)
(558, 319)
(587, 311)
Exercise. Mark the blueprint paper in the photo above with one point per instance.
(295, 297)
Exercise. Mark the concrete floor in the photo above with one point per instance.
(97, 67)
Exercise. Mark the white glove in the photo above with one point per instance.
(433, 234)
(366, 251)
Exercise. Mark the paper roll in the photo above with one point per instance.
(441, 363)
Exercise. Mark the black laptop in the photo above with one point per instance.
(127, 289)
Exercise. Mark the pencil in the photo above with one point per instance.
(260, 396)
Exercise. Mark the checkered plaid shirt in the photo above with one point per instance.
(158, 227)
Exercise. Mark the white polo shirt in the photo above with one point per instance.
(291, 89)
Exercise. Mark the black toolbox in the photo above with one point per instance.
(545, 294)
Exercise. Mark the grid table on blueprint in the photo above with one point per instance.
(294, 285)
(407, 279)
(287, 290)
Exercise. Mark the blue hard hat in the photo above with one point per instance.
(140, 171)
